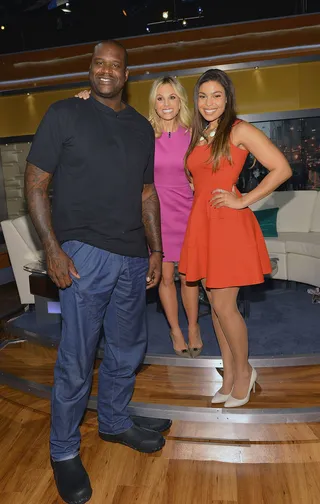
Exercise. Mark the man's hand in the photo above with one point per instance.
(60, 268)
(154, 271)
(85, 94)
(151, 222)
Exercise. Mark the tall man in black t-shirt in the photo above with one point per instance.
(99, 154)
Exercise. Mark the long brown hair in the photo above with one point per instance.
(220, 146)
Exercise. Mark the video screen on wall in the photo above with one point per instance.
(299, 140)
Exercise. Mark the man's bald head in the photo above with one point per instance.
(108, 71)
(112, 43)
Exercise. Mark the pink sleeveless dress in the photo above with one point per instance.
(173, 189)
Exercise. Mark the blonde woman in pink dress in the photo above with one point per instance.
(170, 118)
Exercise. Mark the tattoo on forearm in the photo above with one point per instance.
(151, 217)
(36, 193)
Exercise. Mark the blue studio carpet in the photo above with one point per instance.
(282, 321)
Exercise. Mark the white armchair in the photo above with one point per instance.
(24, 246)
(297, 246)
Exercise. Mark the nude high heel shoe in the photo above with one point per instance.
(182, 353)
(195, 351)
(232, 402)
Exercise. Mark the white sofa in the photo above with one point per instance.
(24, 246)
(297, 246)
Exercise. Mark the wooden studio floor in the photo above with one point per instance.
(200, 464)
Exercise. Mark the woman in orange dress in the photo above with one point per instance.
(224, 245)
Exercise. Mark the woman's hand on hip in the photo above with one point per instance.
(230, 199)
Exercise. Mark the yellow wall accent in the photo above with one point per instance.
(268, 89)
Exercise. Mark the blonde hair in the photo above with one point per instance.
(184, 116)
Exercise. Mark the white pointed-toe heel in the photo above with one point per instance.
(220, 398)
(232, 402)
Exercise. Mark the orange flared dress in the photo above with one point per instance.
(222, 245)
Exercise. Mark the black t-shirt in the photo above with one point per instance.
(100, 159)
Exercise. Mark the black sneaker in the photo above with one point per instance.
(143, 440)
(155, 424)
(72, 481)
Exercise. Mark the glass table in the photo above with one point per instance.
(38, 267)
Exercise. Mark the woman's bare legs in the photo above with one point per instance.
(169, 301)
(190, 300)
(226, 354)
(231, 332)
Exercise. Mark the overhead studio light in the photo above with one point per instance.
(53, 4)
(170, 19)
(66, 10)
(3, 27)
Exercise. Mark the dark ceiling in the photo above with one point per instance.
(29, 24)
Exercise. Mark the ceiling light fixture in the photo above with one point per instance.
(165, 15)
